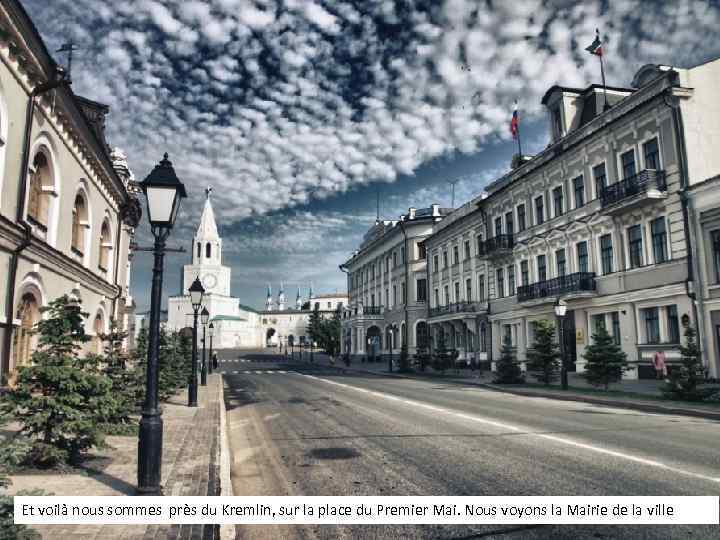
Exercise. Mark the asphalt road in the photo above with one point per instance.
(299, 429)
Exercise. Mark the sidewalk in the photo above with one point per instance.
(191, 466)
(642, 395)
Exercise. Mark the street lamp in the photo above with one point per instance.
(560, 311)
(211, 331)
(393, 329)
(204, 318)
(163, 192)
(196, 291)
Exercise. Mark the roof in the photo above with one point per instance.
(336, 295)
(248, 308)
(228, 318)
(207, 228)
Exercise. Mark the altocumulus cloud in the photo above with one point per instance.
(277, 104)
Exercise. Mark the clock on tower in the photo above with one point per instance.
(209, 281)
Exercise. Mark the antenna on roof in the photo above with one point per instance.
(377, 215)
(452, 183)
(68, 47)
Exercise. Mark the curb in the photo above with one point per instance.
(227, 531)
(643, 407)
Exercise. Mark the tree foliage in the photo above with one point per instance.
(685, 378)
(543, 358)
(507, 369)
(58, 401)
(605, 361)
(325, 332)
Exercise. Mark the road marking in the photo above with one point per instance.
(529, 432)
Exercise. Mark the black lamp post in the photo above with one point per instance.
(560, 311)
(204, 318)
(211, 330)
(163, 192)
(393, 329)
(196, 291)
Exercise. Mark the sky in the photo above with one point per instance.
(300, 112)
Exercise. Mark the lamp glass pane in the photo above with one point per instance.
(160, 203)
(196, 298)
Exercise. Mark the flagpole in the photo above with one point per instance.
(602, 73)
(518, 139)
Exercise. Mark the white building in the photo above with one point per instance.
(67, 213)
(237, 325)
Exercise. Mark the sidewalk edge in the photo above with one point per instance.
(227, 531)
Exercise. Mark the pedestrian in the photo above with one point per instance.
(660, 366)
(215, 360)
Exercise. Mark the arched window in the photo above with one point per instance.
(99, 330)
(38, 192)
(199, 249)
(25, 340)
(79, 225)
(105, 247)
(421, 335)
(207, 250)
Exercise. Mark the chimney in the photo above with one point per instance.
(411, 213)
(436, 210)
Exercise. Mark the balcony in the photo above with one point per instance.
(368, 312)
(646, 186)
(580, 282)
(498, 246)
(458, 307)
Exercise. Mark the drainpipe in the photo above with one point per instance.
(40, 89)
(693, 276)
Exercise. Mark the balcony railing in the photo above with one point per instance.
(497, 244)
(577, 282)
(458, 307)
(632, 186)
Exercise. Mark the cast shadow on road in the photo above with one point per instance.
(240, 393)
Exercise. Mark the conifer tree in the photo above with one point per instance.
(543, 358)
(122, 379)
(314, 328)
(56, 401)
(507, 370)
(605, 361)
(685, 378)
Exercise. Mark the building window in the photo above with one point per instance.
(437, 298)
(659, 240)
(421, 290)
(435, 263)
(498, 226)
(509, 225)
(673, 324)
(558, 201)
(38, 198)
(539, 210)
(715, 235)
(387, 297)
(387, 264)
(542, 268)
(606, 253)
(208, 250)
(521, 217)
(105, 247)
(600, 179)
(511, 280)
(403, 293)
(79, 225)
(598, 323)
(456, 255)
(628, 164)
(481, 287)
(199, 250)
(479, 240)
(445, 259)
(467, 250)
(394, 259)
(635, 246)
(560, 260)
(500, 283)
(524, 273)
(394, 295)
(582, 254)
(468, 290)
(652, 325)
(579, 190)
(447, 295)
(615, 327)
(457, 291)
(422, 251)
(652, 154)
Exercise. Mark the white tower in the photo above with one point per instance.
(281, 298)
(298, 300)
(269, 303)
(207, 255)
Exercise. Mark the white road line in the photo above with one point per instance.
(529, 432)
(234, 372)
(283, 372)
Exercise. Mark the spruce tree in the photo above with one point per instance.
(314, 328)
(122, 380)
(605, 361)
(56, 401)
(507, 370)
(543, 358)
(685, 378)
